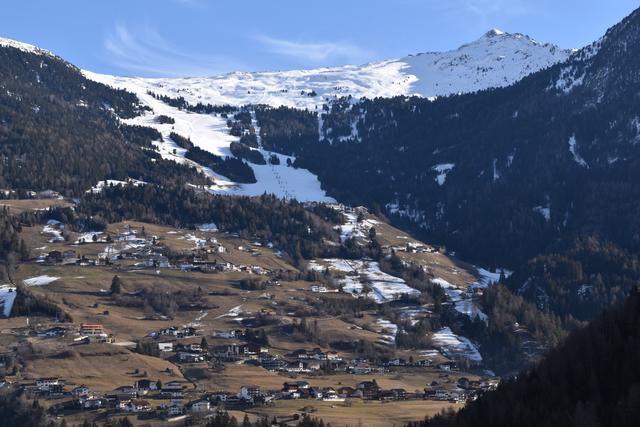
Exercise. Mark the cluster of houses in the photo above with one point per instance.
(133, 398)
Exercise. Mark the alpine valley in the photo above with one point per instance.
(450, 235)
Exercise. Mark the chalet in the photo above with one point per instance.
(92, 402)
(333, 355)
(125, 393)
(91, 329)
(185, 357)
(370, 389)
(200, 406)
(386, 395)
(319, 289)
(423, 363)
(446, 366)
(236, 402)
(47, 384)
(272, 363)
(165, 346)
(135, 406)
(436, 393)
(399, 393)
(397, 362)
(238, 352)
(227, 334)
(296, 367)
(249, 392)
(345, 391)
(172, 387)
(219, 396)
(360, 368)
(330, 395)
(144, 386)
(175, 409)
(48, 194)
(80, 391)
(191, 348)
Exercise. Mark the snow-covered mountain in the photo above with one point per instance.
(495, 59)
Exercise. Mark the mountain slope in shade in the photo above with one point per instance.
(591, 379)
(496, 59)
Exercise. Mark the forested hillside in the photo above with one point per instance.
(60, 131)
(501, 176)
(591, 379)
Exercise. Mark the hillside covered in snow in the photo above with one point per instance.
(494, 60)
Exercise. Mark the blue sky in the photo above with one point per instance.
(208, 37)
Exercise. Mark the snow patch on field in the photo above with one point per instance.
(387, 330)
(462, 301)
(573, 148)
(545, 211)
(88, 237)
(365, 278)
(40, 280)
(7, 297)
(351, 228)
(455, 346)
(210, 227)
(442, 170)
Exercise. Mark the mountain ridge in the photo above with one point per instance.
(489, 61)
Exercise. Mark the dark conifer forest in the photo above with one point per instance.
(590, 379)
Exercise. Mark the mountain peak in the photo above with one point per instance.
(494, 32)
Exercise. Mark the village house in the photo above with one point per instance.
(271, 363)
(249, 392)
(173, 388)
(135, 406)
(184, 357)
(370, 389)
(165, 346)
(200, 406)
(360, 368)
(80, 391)
(233, 352)
(345, 391)
(227, 334)
(144, 386)
(330, 395)
(125, 393)
(49, 384)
